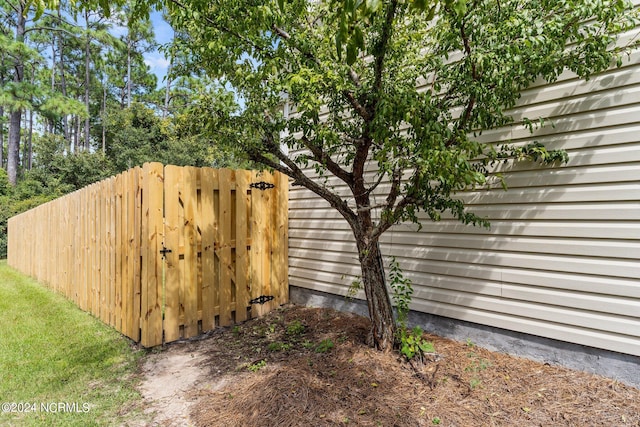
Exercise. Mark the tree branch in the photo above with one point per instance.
(353, 101)
(323, 158)
(224, 29)
(291, 169)
(382, 46)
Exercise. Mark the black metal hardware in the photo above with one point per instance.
(164, 251)
(261, 185)
(261, 299)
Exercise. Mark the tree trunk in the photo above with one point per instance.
(63, 87)
(13, 155)
(383, 326)
(129, 69)
(29, 160)
(87, 77)
(104, 116)
(1, 137)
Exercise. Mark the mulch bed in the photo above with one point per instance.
(310, 367)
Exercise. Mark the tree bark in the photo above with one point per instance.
(129, 69)
(383, 326)
(13, 155)
(87, 77)
(1, 137)
(29, 160)
(13, 149)
(63, 87)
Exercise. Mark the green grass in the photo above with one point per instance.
(51, 352)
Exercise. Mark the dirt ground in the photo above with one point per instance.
(310, 367)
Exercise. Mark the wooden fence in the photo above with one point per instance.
(162, 252)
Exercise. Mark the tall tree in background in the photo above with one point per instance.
(363, 136)
(19, 20)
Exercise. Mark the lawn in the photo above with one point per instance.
(58, 364)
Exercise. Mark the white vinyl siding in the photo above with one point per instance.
(562, 257)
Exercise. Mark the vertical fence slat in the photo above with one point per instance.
(173, 180)
(152, 235)
(243, 179)
(112, 251)
(135, 233)
(208, 248)
(189, 292)
(224, 244)
(281, 238)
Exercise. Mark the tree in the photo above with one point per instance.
(388, 97)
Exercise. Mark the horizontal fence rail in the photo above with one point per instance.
(162, 252)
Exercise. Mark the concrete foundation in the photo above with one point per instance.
(621, 367)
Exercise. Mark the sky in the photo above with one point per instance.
(156, 60)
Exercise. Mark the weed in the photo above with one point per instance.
(307, 344)
(272, 328)
(255, 367)
(436, 421)
(236, 330)
(354, 288)
(278, 346)
(411, 342)
(324, 346)
(475, 366)
(295, 328)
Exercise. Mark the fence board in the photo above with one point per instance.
(173, 182)
(228, 245)
(208, 250)
(189, 282)
(224, 245)
(152, 229)
(243, 179)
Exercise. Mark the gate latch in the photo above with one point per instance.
(164, 251)
(261, 299)
(261, 185)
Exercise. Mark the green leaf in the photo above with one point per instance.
(352, 52)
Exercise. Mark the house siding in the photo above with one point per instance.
(560, 259)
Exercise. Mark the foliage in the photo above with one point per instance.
(324, 346)
(410, 342)
(347, 72)
(295, 328)
(255, 367)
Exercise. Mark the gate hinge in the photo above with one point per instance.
(261, 185)
(261, 299)
(164, 251)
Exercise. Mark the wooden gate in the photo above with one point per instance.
(162, 252)
(222, 247)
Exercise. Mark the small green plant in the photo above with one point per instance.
(255, 367)
(278, 346)
(236, 330)
(436, 421)
(324, 346)
(307, 344)
(272, 328)
(354, 288)
(295, 328)
(411, 342)
(476, 365)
